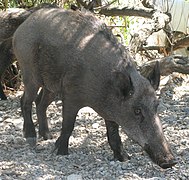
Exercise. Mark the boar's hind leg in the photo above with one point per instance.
(43, 100)
(30, 92)
(6, 57)
(115, 141)
(70, 110)
(4, 63)
(2, 95)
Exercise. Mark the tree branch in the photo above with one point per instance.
(128, 11)
(168, 65)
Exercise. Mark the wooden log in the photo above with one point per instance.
(168, 65)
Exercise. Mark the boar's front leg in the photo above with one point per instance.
(115, 141)
(43, 100)
(70, 109)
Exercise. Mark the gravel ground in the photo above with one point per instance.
(90, 155)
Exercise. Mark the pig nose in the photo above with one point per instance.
(168, 164)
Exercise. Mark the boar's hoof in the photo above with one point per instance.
(121, 157)
(3, 98)
(168, 164)
(46, 136)
(62, 149)
(31, 141)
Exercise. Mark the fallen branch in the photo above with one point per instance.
(168, 65)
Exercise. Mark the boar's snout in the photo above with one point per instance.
(164, 160)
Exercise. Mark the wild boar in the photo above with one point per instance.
(13, 17)
(75, 56)
(6, 57)
(9, 22)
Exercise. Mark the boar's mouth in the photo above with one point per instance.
(164, 161)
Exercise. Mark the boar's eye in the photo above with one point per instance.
(131, 93)
(137, 111)
(138, 114)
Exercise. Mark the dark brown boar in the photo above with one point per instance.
(13, 17)
(9, 22)
(6, 57)
(74, 55)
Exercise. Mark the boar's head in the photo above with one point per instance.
(138, 115)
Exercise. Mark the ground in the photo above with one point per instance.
(90, 155)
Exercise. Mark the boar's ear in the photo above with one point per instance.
(122, 84)
(154, 76)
